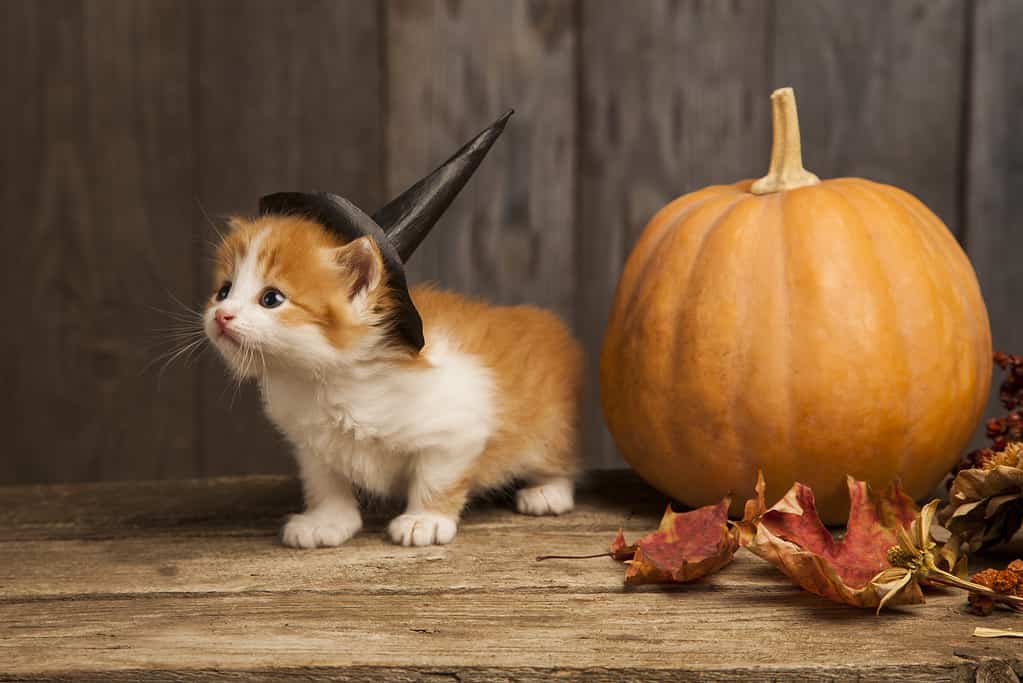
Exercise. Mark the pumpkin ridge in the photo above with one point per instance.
(932, 254)
(745, 343)
(939, 257)
(666, 426)
(787, 291)
(945, 244)
(951, 253)
(911, 412)
(736, 217)
(671, 227)
(645, 286)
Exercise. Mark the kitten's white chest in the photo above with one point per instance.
(318, 421)
(370, 423)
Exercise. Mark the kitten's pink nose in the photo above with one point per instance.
(222, 319)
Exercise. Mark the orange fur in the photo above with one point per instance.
(537, 365)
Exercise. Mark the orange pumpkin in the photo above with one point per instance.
(810, 329)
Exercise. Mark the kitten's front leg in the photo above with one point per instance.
(437, 492)
(332, 513)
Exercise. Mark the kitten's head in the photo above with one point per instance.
(288, 292)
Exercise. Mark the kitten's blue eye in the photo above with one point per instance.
(272, 298)
(224, 290)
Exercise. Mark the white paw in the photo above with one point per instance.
(422, 528)
(553, 498)
(320, 530)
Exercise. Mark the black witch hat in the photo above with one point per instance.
(398, 227)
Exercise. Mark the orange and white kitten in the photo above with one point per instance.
(490, 399)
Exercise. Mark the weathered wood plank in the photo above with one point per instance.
(192, 601)
(289, 99)
(880, 87)
(255, 505)
(995, 175)
(664, 111)
(452, 68)
(709, 633)
(481, 559)
(97, 186)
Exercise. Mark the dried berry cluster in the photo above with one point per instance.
(1003, 430)
(1008, 581)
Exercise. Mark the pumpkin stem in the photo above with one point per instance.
(786, 172)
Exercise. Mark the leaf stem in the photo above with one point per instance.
(541, 558)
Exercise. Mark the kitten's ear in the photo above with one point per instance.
(360, 260)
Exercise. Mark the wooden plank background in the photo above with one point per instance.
(127, 124)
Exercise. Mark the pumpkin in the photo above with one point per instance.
(808, 329)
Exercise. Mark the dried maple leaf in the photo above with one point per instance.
(686, 546)
(849, 570)
(746, 528)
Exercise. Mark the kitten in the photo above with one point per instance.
(491, 398)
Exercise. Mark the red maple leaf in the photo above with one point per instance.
(686, 546)
(790, 536)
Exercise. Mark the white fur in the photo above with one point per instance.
(391, 430)
(553, 497)
(422, 528)
(357, 417)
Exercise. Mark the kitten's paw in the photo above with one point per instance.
(422, 528)
(554, 497)
(313, 530)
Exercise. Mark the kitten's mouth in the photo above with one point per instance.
(225, 335)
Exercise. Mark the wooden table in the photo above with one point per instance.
(154, 581)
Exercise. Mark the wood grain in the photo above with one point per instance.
(213, 597)
(880, 88)
(97, 181)
(995, 147)
(641, 635)
(663, 111)
(453, 68)
(251, 506)
(289, 98)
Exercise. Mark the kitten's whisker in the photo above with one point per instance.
(161, 342)
(177, 332)
(192, 354)
(179, 354)
(184, 306)
(170, 356)
(262, 360)
(242, 371)
(189, 315)
(212, 224)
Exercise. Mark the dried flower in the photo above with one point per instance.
(913, 562)
(1008, 581)
(985, 503)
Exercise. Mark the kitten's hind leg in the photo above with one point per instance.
(554, 496)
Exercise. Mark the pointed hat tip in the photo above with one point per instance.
(408, 217)
(488, 134)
